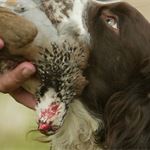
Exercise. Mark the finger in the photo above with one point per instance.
(15, 78)
(25, 98)
(1, 43)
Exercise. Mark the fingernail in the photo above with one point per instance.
(28, 72)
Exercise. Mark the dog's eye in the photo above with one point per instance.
(111, 22)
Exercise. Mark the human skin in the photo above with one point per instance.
(11, 82)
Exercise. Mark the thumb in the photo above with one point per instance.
(13, 79)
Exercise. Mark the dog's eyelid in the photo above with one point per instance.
(108, 15)
(111, 20)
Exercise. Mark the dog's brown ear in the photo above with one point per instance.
(16, 31)
(127, 116)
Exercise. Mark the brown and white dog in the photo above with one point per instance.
(119, 75)
(113, 110)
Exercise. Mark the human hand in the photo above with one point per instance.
(11, 82)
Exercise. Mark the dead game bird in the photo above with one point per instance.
(60, 61)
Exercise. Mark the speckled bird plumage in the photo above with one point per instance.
(60, 9)
(60, 59)
(61, 69)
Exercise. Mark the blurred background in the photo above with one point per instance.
(142, 5)
(16, 120)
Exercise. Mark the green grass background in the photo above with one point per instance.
(15, 123)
